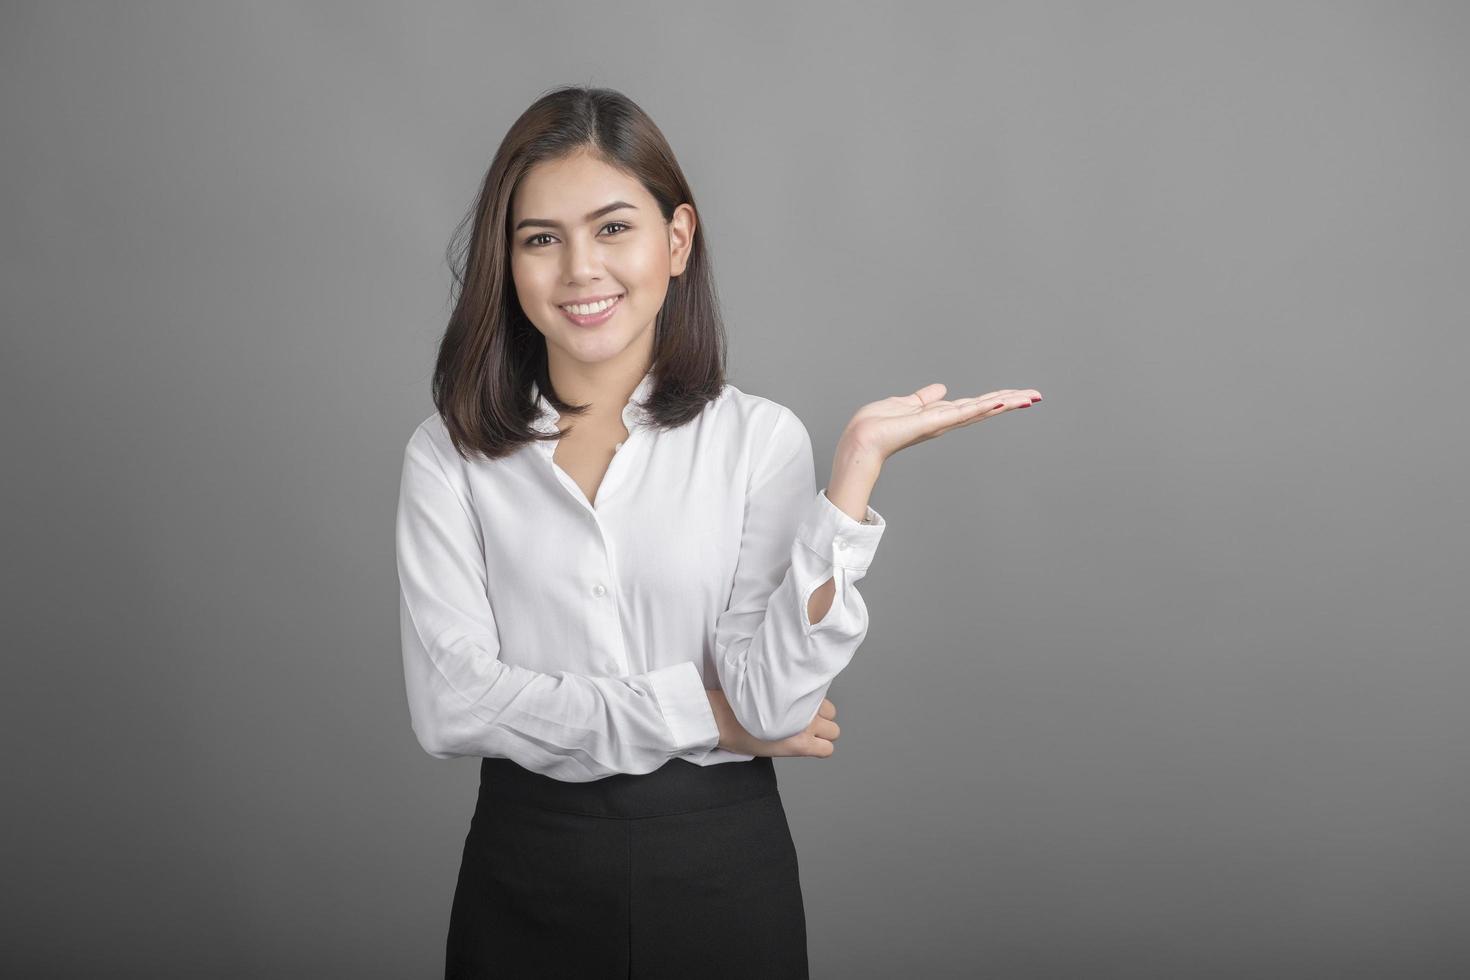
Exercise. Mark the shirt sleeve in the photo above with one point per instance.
(465, 701)
(775, 665)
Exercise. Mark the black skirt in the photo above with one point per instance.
(687, 871)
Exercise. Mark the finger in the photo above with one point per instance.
(978, 404)
(822, 728)
(827, 709)
(1013, 396)
(952, 415)
(804, 744)
(938, 417)
(985, 406)
(974, 408)
(992, 399)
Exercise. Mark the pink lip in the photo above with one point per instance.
(596, 318)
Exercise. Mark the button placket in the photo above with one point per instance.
(615, 653)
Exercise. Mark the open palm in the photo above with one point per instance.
(895, 423)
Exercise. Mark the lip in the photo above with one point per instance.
(596, 318)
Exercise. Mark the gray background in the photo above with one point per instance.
(1167, 676)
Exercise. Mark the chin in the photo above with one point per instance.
(594, 350)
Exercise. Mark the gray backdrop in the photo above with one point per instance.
(1167, 676)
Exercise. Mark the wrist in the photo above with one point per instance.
(855, 457)
(855, 472)
(721, 708)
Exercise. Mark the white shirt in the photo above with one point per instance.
(578, 639)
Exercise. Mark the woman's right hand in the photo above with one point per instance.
(816, 740)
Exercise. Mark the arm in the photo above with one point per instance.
(465, 701)
(775, 663)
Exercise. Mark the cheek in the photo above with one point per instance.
(648, 271)
(649, 262)
(532, 286)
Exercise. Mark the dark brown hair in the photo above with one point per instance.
(491, 352)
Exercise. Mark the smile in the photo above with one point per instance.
(591, 314)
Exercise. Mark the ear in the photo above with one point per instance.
(681, 238)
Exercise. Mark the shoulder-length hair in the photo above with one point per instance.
(491, 352)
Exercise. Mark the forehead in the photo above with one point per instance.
(565, 190)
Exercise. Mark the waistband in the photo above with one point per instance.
(678, 786)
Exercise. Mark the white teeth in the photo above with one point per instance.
(587, 309)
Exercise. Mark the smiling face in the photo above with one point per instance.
(582, 230)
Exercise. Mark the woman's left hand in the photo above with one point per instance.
(884, 427)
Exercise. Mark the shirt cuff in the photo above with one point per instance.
(715, 756)
(685, 706)
(831, 533)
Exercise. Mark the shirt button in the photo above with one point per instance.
(598, 590)
(841, 544)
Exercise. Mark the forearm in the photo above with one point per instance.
(854, 474)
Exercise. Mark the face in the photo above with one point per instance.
(582, 230)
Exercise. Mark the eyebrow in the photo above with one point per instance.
(548, 223)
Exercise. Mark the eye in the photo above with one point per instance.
(532, 241)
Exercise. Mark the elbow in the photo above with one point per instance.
(769, 712)
(775, 727)
(431, 739)
(780, 733)
(774, 714)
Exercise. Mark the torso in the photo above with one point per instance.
(666, 533)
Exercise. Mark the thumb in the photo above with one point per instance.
(929, 393)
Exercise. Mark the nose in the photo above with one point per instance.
(584, 261)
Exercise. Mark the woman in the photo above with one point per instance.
(628, 617)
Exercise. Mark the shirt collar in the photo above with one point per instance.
(634, 414)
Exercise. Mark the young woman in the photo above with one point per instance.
(621, 588)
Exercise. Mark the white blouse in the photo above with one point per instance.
(578, 639)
